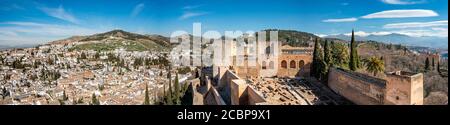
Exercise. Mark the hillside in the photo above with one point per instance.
(118, 39)
(299, 38)
(69, 40)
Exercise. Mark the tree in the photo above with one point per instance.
(354, 58)
(177, 93)
(328, 57)
(427, 64)
(318, 65)
(432, 63)
(340, 55)
(95, 101)
(1, 60)
(147, 98)
(137, 62)
(97, 55)
(374, 65)
(323, 70)
(317, 60)
(439, 66)
(83, 56)
(65, 97)
(169, 99)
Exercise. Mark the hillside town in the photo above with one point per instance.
(52, 74)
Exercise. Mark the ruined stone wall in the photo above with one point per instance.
(242, 94)
(238, 87)
(269, 66)
(358, 88)
(213, 98)
(299, 69)
(192, 97)
(224, 86)
(245, 69)
(254, 97)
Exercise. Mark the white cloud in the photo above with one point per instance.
(403, 2)
(433, 32)
(137, 9)
(23, 23)
(321, 35)
(187, 15)
(340, 20)
(440, 29)
(440, 32)
(402, 14)
(380, 33)
(60, 13)
(364, 34)
(416, 24)
(32, 32)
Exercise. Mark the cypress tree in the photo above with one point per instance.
(97, 55)
(83, 56)
(317, 60)
(438, 66)
(169, 100)
(65, 97)
(354, 59)
(147, 98)
(94, 100)
(427, 64)
(328, 57)
(177, 90)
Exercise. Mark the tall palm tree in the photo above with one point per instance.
(374, 65)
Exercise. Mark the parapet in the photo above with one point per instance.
(404, 74)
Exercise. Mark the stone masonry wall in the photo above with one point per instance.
(358, 88)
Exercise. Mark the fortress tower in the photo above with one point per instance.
(404, 88)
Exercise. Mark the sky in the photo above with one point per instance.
(41, 21)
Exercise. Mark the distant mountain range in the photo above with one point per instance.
(433, 42)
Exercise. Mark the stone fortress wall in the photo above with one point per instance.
(404, 88)
(398, 88)
(356, 87)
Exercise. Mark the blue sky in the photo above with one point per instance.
(40, 21)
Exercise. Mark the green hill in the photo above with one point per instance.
(121, 39)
